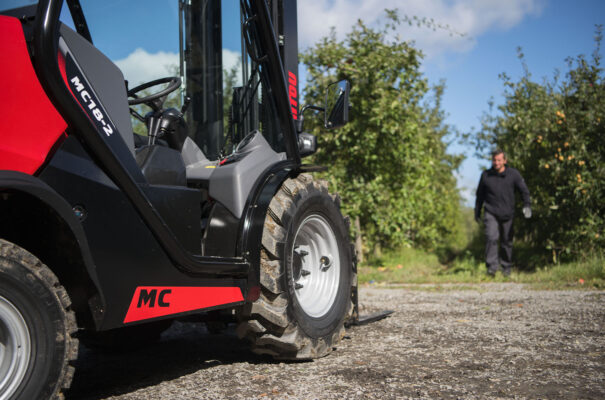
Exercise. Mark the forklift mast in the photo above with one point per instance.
(211, 124)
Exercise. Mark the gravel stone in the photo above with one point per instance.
(501, 341)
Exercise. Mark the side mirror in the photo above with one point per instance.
(337, 104)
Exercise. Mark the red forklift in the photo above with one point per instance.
(211, 214)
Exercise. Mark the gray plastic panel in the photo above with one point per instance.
(199, 168)
(230, 184)
(106, 79)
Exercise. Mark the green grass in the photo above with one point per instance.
(410, 266)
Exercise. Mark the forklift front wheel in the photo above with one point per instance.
(36, 324)
(306, 274)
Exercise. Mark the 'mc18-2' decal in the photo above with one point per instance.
(158, 301)
(293, 94)
(86, 97)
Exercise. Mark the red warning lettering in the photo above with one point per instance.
(293, 94)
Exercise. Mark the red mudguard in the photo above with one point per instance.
(29, 124)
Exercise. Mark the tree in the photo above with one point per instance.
(389, 163)
(553, 133)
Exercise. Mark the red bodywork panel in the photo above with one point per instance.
(29, 124)
(158, 301)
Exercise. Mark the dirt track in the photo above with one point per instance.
(497, 341)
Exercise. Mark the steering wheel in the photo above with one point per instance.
(174, 82)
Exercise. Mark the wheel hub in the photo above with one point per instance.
(15, 348)
(314, 255)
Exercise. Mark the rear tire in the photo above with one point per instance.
(306, 274)
(36, 324)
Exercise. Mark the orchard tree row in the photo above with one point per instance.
(554, 132)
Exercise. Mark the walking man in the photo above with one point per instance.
(497, 191)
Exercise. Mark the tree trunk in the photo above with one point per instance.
(377, 250)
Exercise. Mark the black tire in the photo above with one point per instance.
(282, 322)
(35, 313)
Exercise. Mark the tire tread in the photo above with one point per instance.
(35, 267)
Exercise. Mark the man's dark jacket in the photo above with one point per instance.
(497, 191)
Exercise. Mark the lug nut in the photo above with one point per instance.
(325, 263)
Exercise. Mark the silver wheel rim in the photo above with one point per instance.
(315, 266)
(15, 348)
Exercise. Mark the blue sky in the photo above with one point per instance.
(137, 33)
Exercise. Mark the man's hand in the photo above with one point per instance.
(527, 212)
(478, 216)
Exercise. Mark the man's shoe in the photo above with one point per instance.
(506, 272)
(491, 273)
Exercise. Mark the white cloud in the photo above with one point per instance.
(140, 66)
(316, 17)
(471, 17)
(231, 59)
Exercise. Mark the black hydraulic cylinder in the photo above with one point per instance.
(277, 77)
(204, 61)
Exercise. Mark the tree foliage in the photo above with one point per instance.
(553, 132)
(389, 163)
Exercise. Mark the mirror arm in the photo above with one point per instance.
(312, 107)
(302, 112)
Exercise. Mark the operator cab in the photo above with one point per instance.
(219, 96)
(219, 99)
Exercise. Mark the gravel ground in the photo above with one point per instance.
(494, 341)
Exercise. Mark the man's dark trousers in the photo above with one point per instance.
(497, 228)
